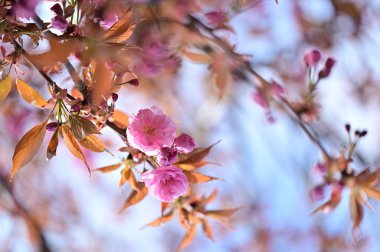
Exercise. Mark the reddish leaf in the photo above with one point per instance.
(159, 221)
(196, 57)
(5, 87)
(120, 26)
(207, 229)
(222, 214)
(102, 85)
(136, 196)
(93, 143)
(195, 178)
(164, 206)
(53, 144)
(82, 127)
(196, 155)
(120, 119)
(73, 146)
(30, 95)
(356, 211)
(188, 238)
(109, 168)
(27, 147)
(373, 193)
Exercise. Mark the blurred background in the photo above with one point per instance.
(267, 167)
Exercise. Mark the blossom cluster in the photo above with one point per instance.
(153, 133)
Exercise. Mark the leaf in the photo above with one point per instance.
(132, 181)
(120, 26)
(73, 146)
(196, 57)
(188, 238)
(136, 196)
(53, 144)
(120, 119)
(159, 221)
(194, 166)
(82, 127)
(222, 214)
(196, 155)
(27, 147)
(5, 87)
(223, 81)
(331, 204)
(164, 206)
(195, 178)
(356, 210)
(93, 143)
(30, 95)
(210, 198)
(102, 85)
(59, 52)
(207, 229)
(123, 36)
(109, 168)
(373, 193)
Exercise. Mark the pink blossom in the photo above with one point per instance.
(260, 99)
(59, 23)
(165, 183)
(167, 156)
(312, 58)
(215, 17)
(24, 8)
(150, 130)
(184, 143)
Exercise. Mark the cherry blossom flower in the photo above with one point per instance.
(184, 143)
(150, 130)
(165, 183)
(167, 156)
(24, 8)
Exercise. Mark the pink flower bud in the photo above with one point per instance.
(62, 94)
(312, 58)
(60, 23)
(165, 183)
(114, 97)
(184, 143)
(75, 108)
(325, 72)
(51, 126)
(318, 192)
(260, 99)
(167, 156)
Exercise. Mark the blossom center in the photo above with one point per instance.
(149, 131)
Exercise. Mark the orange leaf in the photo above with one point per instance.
(223, 81)
(120, 26)
(132, 181)
(82, 127)
(222, 214)
(120, 119)
(53, 144)
(195, 178)
(188, 238)
(373, 193)
(30, 95)
(59, 52)
(27, 147)
(207, 229)
(123, 36)
(125, 174)
(109, 168)
(157, 222)
(196, 155)
(194, 166)
(356, 211)
(196, 57)
(93, 143)
(5, 87)
(136, 196)
(102, 85)
(73, 146)
(164, 206)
